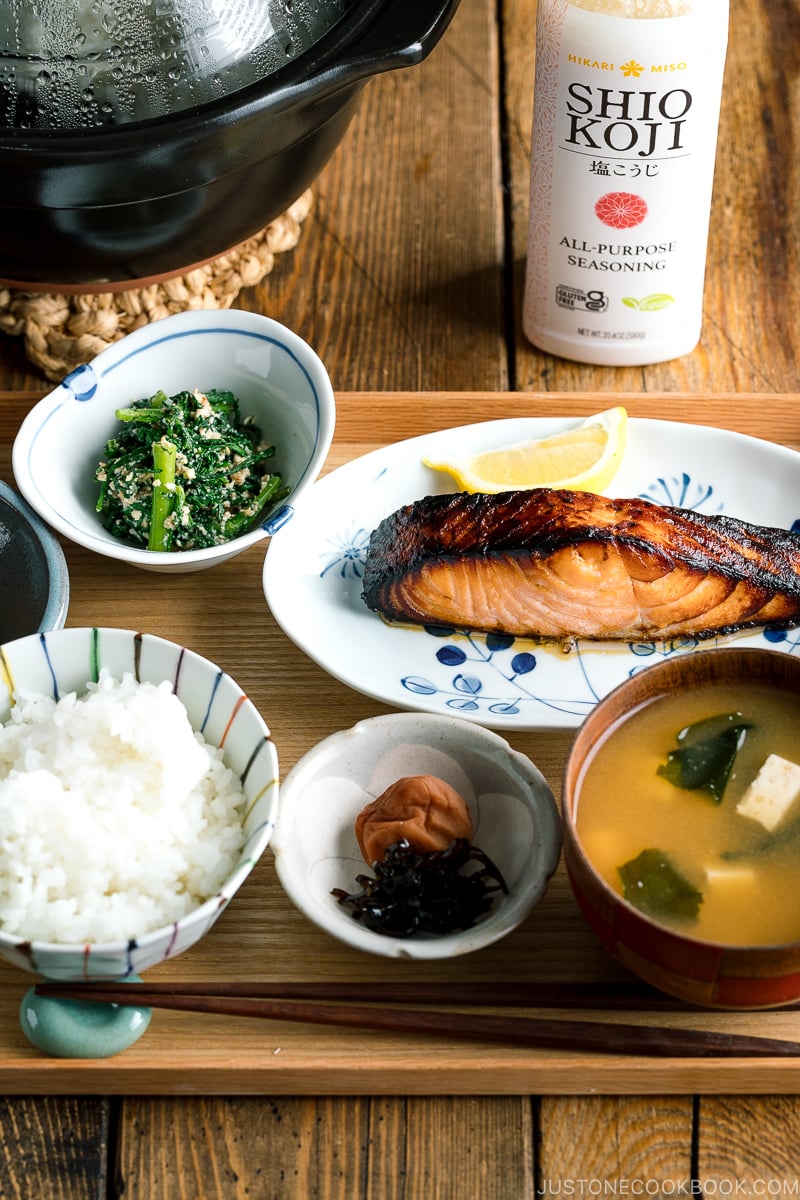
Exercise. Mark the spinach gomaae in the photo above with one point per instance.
(653, 884)
(705, 755)
(185, 472)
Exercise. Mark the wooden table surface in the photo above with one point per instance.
(407, 279)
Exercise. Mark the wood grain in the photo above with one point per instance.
(54, 1147)
(295, 1148)
(262, 936)
(408, 275)
(604, 1139)
(751, 1142)
(398, 280)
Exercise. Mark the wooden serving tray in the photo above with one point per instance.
(222, 614)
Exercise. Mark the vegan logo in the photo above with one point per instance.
(652, 303)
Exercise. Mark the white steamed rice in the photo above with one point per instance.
(115, 816)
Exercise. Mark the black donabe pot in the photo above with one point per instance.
(127, 204)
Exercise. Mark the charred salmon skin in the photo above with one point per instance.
(562, 564)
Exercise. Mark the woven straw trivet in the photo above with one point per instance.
(61, 332)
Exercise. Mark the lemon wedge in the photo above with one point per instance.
(585, 458)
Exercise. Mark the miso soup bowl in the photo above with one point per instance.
(710, 974)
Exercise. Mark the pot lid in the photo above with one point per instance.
(87, 64)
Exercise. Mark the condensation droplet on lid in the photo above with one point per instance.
(131, 54)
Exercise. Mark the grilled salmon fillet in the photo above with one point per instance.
(561, 564)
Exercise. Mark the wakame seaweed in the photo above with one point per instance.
(705, 755)
(653, 884)
(185, 472)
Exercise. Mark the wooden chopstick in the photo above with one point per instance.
(489, 994)
(632, 996)
(549, 1033)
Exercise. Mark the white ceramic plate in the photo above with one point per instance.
(313, 573)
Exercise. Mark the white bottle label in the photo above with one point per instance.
(625, 129)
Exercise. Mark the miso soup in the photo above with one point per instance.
(657, 812)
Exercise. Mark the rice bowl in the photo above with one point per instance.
(138, 788)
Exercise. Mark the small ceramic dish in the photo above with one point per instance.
(34, 580)
(276, 377)
(515, 820)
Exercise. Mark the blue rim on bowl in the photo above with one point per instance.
(274, 373)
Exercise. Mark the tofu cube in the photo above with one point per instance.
(772, 793)
(734, 876)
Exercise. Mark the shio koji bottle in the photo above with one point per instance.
(626, 114)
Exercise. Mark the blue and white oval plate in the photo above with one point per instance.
(313, 573)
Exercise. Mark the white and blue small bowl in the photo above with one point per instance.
(514, 815)
(34, 580)
(276, 376)
(66, 660)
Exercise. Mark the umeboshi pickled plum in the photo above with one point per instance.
(423, 809)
